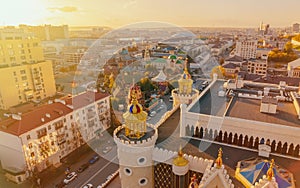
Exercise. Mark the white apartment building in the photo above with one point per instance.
(246, 49)
(40, 138)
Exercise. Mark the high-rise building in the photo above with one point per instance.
(24, 75)
(296, 27)
(20, 84)
(48, 32)
(18, 47)
(246, 48)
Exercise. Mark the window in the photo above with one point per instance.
(127, 171)
(141, 160)
(22, 71)
(143, 181)
(30, 145)
(49, 127)
(28, 137)
(24, 77)
(32, 154)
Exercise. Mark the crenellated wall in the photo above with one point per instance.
(197, 164)
(232, 125)
(209, 178)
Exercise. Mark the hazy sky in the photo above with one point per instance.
(116, 13)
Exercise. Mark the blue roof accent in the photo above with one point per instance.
(254, 172)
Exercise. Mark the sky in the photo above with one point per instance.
(117, 13)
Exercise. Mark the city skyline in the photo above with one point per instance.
(115, 14)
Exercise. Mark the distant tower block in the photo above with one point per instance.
(135, 141)
(185, 94)
(147, 54)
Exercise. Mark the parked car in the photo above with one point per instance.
(89, 185)
(83, 167)
(70, 177)
(153, 113)
(171, 99)
(94, 159)
(107, 149)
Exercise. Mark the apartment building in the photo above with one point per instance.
(258, 67)
(24, 74)
(31, 82)
(48, 32)
(18, 47)
(246, 48)
(38, 139)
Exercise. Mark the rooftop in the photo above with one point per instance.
(34, 119)
(85, 99)
(210, 103)
(245, 107)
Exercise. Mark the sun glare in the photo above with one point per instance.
(15, 12)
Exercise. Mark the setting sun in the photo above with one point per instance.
(29, 12)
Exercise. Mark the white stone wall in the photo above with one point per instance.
(264, 130)
(197, 164)
(11, 152)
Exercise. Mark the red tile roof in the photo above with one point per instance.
(33, 119)
(85, 99)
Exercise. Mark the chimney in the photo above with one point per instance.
(42, 119)
(16, 117)
(48, 115)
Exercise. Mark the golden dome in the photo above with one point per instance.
(219, 160)
(180, 160)
(270, 172)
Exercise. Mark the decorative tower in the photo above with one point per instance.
(147, 54)
(185, 93)
(135, 141)
(180, 169)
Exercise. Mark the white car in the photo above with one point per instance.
(89, 185)
(70, 177)
(153, 113)
(107, 149)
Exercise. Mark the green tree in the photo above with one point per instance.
(219, 70)
(288, 48)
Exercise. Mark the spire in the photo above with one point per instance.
(186, 74)
(270, 172)
(219, 160)
(135, 118)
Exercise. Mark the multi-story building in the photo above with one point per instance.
(42, 137)
(258, 67)
(295, 27)
(246, 49)
(24, 74)
(294, 68)
(18, 47)
(31, 82)
(48, 32)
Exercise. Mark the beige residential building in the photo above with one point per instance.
(48, 32)
(18, 47)
(31, 82)
(258, 67)
(24, 74)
